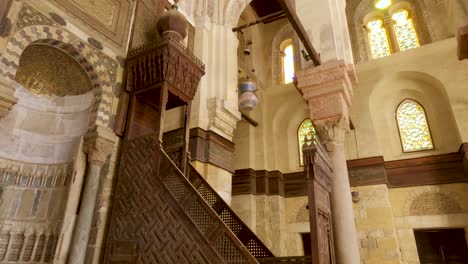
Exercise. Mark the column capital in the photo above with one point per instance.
(332, 131)
(7, 98)
(98, 145)
(328, 90)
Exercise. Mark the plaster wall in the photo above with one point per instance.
(440, 87)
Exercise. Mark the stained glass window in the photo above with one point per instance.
(306, 131)
(288, 64)
(404, 30)
(378, 39)
(413, 127)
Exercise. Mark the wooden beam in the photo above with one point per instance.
(269, 17)
(290, 12)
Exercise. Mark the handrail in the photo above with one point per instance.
(223, 240)
(228, 216)
(286, 260)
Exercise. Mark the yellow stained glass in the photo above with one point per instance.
(378, 39)
(288, 64)
(413, 127)
(404, 31)
(305, 132)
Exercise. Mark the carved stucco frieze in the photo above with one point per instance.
(99, 145)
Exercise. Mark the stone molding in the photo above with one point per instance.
(328, 92)
(7, 98)
(209, 147)
(221, 120)
(432, 170)
(261, 182)
(98, 145)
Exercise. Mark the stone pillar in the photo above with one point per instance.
(328, 90)
(98, 146)
(101, 213)
(215, 106)
(7, 100)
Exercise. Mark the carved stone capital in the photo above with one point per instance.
(332, 131)
(7, 99)
(98, 145)
(328, 92)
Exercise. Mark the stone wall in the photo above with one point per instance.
(427, 207)
(375, 225)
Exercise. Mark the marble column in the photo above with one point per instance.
(328, 91)
(101, 213)
(98, 146)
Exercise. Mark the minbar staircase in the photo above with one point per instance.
(163, 212)
(158, 216)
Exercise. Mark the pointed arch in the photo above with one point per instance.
(80, 51)
(413, 127)
(305, 129)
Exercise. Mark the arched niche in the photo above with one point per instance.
(286, 35)
(427, 91)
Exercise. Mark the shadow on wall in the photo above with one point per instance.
(428, 91)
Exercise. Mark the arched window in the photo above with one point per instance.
(404, 30)
(378, 39)
(413, 127)
(391, 30)
(287, 61)
(306, 130)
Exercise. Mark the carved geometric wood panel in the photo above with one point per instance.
(147, 226)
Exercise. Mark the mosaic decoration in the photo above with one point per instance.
(85, 55)
(28, 16)
(413, 127)
(48, 71)
(378, 39)
(288, 64)
(404, 31)
(306, 132)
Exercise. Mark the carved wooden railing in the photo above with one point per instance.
(286, 260)
(235, 224)
(212, 226)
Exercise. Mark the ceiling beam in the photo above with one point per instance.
(290, 12)
(269, 17)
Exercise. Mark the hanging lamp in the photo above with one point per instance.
(247, 98)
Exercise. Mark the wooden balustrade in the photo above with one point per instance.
(235, 224)
(214, 219)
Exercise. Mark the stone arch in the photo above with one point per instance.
(233, 10)
(431, 202)
(424, 88)
(300, 214)
(72, 45)
(285, 33)
(357, 9)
